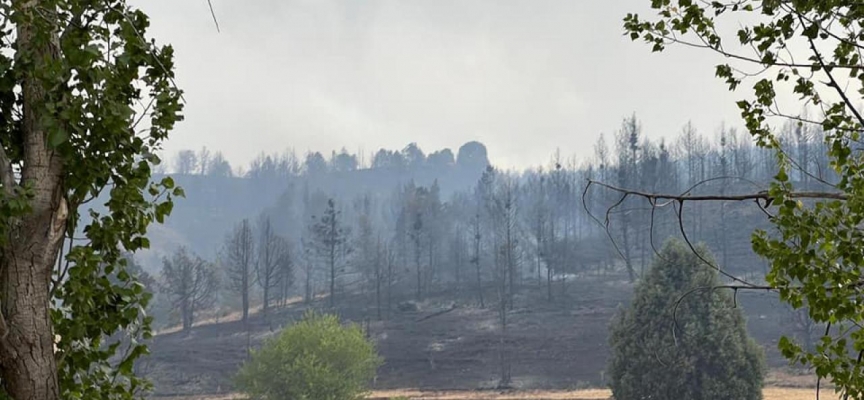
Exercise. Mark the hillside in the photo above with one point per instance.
(559, 345)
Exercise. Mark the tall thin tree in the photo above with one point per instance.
(240, 263)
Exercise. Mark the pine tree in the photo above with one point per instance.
(330, 242)
(681, 338)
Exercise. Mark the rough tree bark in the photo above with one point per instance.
(27, 366)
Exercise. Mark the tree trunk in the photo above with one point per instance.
(378, 289)
(186, 314)
(28, 367)
(245, 294)
(28, 370)
(626, 242)
(307, 292)
(332, 277)
(417, 255)
(266, 295)
(389, 286)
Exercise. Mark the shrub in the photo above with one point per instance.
(315, 359)
(708, 357)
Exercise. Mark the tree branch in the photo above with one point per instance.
(836, 85)
(763, 195)
(213, 13)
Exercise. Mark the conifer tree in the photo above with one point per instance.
(681, 338)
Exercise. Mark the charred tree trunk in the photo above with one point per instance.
(307, 292)
(476, 261)
(332, 275)
(245, 296)
(266, 295)
(625, 233)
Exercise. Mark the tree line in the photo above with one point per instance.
(508, 229)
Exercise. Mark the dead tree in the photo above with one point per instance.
(240, 263)
(190, 282)
(273, 262)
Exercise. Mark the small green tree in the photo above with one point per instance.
(681, 339)
(315, 359)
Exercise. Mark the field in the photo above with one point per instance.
(594, 394)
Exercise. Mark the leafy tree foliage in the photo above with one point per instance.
(809, 50)
(73, 78)
(317, 358)
(680, 339)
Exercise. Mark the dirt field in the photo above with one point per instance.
(560, 345)
(594, 394)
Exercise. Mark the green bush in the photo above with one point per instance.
(315, 359)
(708, 357)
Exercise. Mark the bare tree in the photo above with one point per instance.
(190, 282)
(476, 233)
(390, 273)
(538, 222)
(414, 209)
(240, 262)
(285, 273)
(502, 208)
(368, 257)
(204, 161)
(186, 162)
(627, 146)
(273, 261)
(457, 254)
(309, 263)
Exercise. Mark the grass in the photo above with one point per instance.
(772, 393)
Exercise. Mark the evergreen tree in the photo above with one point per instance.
(330, 241)
(681, 338)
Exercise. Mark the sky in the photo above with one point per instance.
(523, 77)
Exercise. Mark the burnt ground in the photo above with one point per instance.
(557, 345)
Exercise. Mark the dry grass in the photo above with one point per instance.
(593, 394)
(220, 316)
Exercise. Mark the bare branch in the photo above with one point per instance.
(606, 225)
(213, 13)
(690, 292)
(699, 254)
(751, 60)
(763, 195)
(834, 84)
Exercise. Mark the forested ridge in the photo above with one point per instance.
(446, 221)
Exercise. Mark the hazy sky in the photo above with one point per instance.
(523, 77)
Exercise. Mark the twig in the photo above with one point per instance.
(213, 13)
(834, 83)
(736, 288)
(699, 254)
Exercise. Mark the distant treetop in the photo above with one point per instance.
(473, 156)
